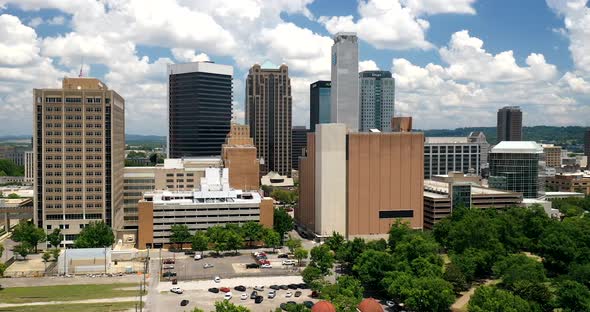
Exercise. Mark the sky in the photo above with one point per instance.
(455, 61)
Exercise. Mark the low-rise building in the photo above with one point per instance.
(462, 154)
(569, 182)
(552, 155)
(214, 204)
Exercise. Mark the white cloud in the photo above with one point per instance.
(577, 23)
(18, 42)
(575, 83)
(419, 7)
(368, 65)
(188, 55)
(57, 20)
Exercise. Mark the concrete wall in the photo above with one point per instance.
(305, 213)
(243, 167)
(267, 210)
(330, 179)
(145, 233)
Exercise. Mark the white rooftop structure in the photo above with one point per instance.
(431, 186)
(182, 163)
(203, 67)
(517, 147)
(446, 140)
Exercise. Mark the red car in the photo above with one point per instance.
(169, 261)
(224, 289)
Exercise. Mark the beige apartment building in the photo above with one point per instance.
(359, 184)
(552, 155)
(569, 182)
(239, 156)
(79, 151)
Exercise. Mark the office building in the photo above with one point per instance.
(444, 193)
(199, 108)
(298, 143)
(377, 100)
(587, 147)
(239, 156)
(79, 146)
(480, 138)
(29, 162)
(344, 95)
(268, 113)
(514, 166)
(401, 124)
(319, 103)
(578, 182)
(509, 125)
(14, 153)
(359, 184)
(445, 154)
(214, 204)
(552, 155)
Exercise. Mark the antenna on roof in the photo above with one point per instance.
(81, 66)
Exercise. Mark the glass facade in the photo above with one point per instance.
(461, 195)
(517, 172)
(319, 103)
(444, 158)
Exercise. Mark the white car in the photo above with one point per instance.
(176, 290)
(207, 265)
(217, 279)
(198, 257)
(227, 296)
(266, 266)
(244, 296)
(289, 262)
(259, 288)
(272, 293)
(288, 294)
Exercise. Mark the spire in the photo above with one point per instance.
(81, 66)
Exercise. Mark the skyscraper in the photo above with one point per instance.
(319, 103)
(200, 108)
(514, 166)
(298, 143)
(509, 126)
(79, 155)
(344, 95)
(377, 100)
(268, 113)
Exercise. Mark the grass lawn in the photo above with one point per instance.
(89, 307)
(65, 293)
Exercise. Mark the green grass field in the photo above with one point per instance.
(65, 293)
(90, 307)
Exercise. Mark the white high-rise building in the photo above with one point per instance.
(345, 81)
(377, 100)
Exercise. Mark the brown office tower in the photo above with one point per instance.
(239, 156)
(268, 113)
(587, 146)
(401, 124)
(359, 184)
(509, 126)
(79, 146)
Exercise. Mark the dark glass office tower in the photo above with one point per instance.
(200, 108)
(509, 126)
(299, 142)
(319, 103)
(514, 166)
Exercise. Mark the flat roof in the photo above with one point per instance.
(443, 187)
(200, 67)
(517, 147)
(447, 140)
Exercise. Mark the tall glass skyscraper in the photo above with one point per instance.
(319, 103)
(377, 100)
(514, 166)
(345, 82)
(200, 108)
(509, 125)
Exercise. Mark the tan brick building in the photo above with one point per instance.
(569, 182)
(239, 156)
(552, 155)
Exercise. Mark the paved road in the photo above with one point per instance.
(107, 300)
(154, 281)
(78, 280)
(8, 245)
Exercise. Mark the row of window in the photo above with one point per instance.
(88, 206)
(179, 174)
(58, 182)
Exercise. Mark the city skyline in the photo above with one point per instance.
(436, 62)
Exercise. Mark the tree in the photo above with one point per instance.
(577, 272)
(490, 298)
(474, 263)
(218, 237)
(1, 250)
(55, 253)
(377, 245)
(397, 232)
(95, 235)
(350, 251)
(346, 294)
(518, 267)
(27, 232)
(200, 242)
(10, 168)
(23, 249)
(573, 296)
(371, 266)
(13, 196)
(55, 238)
(179, 234)
(335, 241)
(300, 254)
(293, 243)
(234, 241)
(283, 222)
(226, 306)
(311, 275)
(454, 276)
(252, 231)
(46, 256)
(429, 294)
(322, 258)
(271, 239)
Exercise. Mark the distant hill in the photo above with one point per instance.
(133, 138)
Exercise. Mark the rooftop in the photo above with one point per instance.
(520, 147)
(445, 140)
(439, 188)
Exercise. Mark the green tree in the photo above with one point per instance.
(350, 251)
(573, 296)
(282, 222)
(252, 231)
(378, 245)
(179, 234)
(46, 256)
(10, 168)
(335, 241)
(226, 306)
(55, 238)
(55, 253)
(271, 239)
(23, 249)
(322, 258)
(474, 263)
(311, 275)
(95, 235)
(300, 254)
(454, 276)
(2, 269)
(200, 242)
(372, 265)
(346, 294)
(234, 241)
(27, 232)
(398, 231)
(293, 243)
(218, 237)
(13, 196)
(429, 294)
(518, 267)
(490, 298)
(1, 250)
(577, 272)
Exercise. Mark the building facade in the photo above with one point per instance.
(445, 154)
(29, 162)
(552, 155)
(514, 166)
(319, 103)
(298, 143)
(239, 156)
(214, 204)
(377, 100)
(344, 96)
(268, 113)
(14, 153)
(199, 108)
(79, 152)
(509, 124)
(578, 182)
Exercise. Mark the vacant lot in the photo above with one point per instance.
(65, 293)
(88, 307)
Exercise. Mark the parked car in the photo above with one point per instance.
(253, 294)
(284, 287)
(217, 279)
(303, 286)
(272, 293)
(227, 296)
(308, 304)
(259, 288)
(207, 265)
(390, 303)
(176, 290)
(169, 267)
(224, 289)
(298, 293)
(288, 294)
(293, 286)
(252, 266)
(275, 287)
(243, 296)
(169, 274)
(240, 288)
(283, 255)
(183, 303)
(198, 256)
(258, 299)
(266, 266)
(314, 294)
(168, 261)
(213, 290)
(289, 262)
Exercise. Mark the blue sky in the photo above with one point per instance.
(455, 61)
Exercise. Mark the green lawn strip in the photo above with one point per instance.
(78, 307)
(65, 293)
